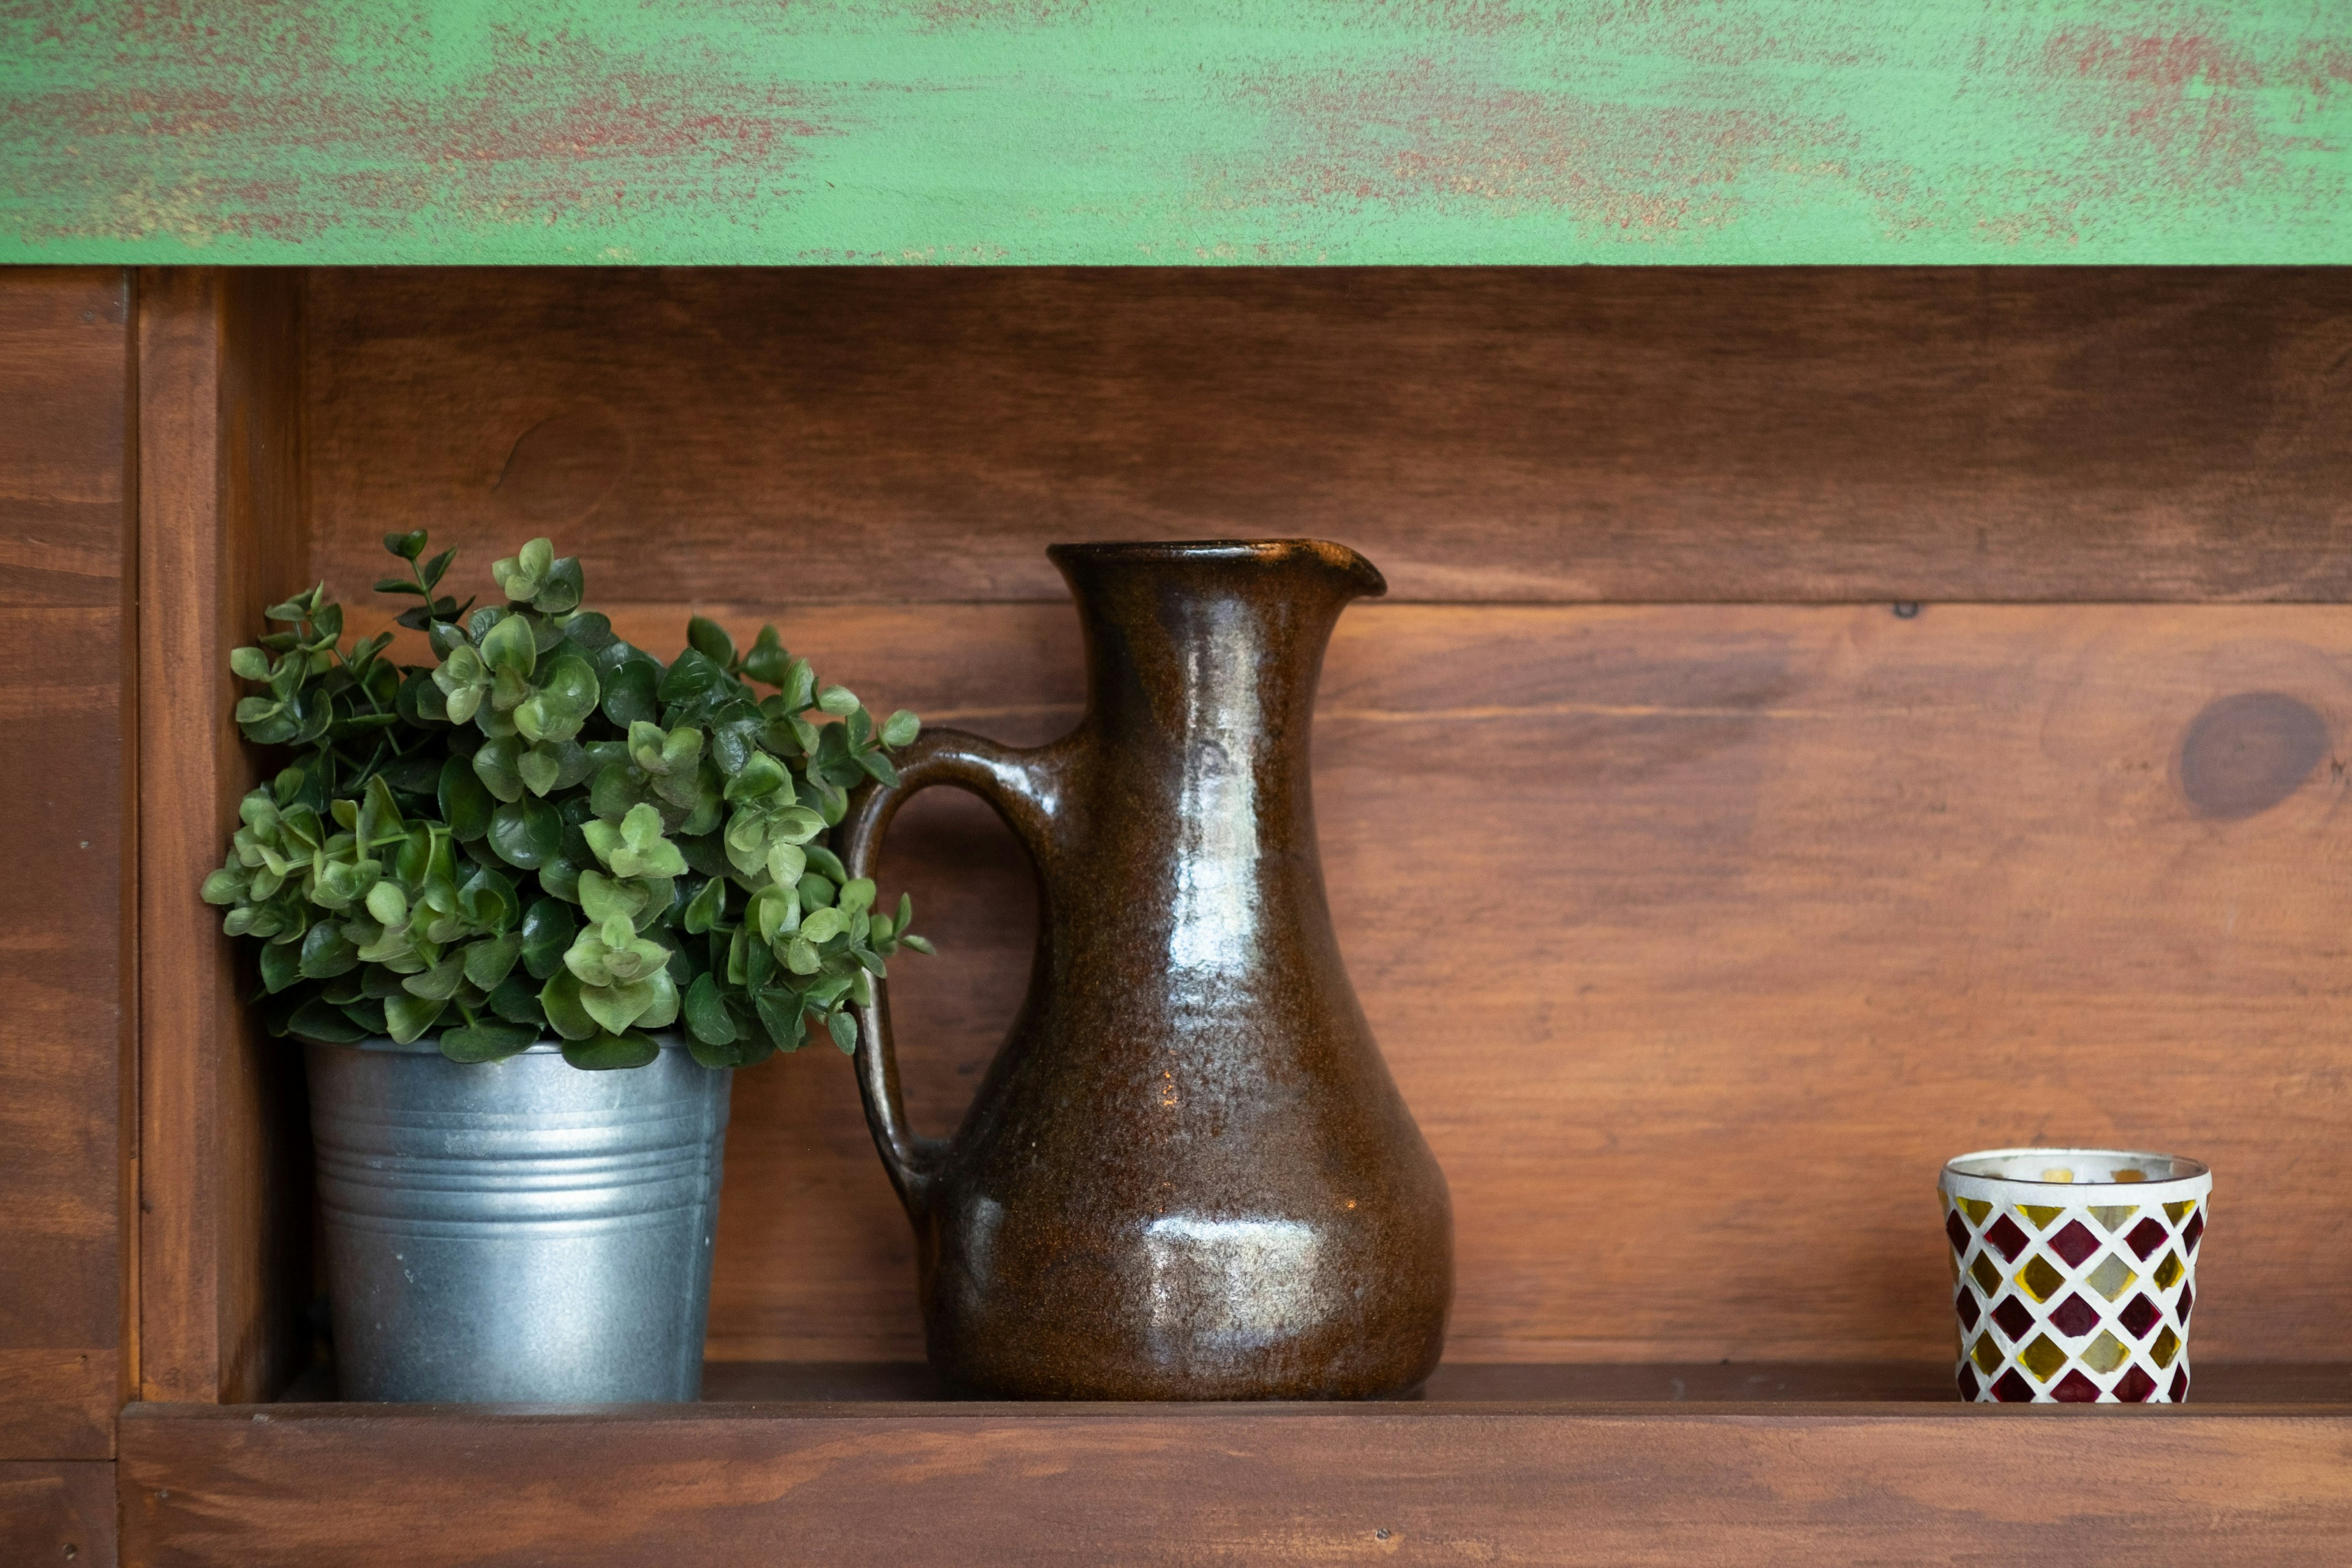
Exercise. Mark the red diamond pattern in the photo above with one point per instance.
(2196, 1228)
(2147, 1236)
(1968, 1384)
(2074, 1243)
(2010, 1388)
(1956, 1228)
(1970, 1311)
(2075, 1389)
(2135, 1386)
(2015, 1318)
(2140, 1317)
(2179, 1383)
(2188, 1300)
(2006, 1237)
(2073, 1318)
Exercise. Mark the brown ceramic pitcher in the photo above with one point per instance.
(1187, 1173)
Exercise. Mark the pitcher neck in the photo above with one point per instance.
(1211, 643)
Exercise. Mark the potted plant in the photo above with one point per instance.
(527, 907)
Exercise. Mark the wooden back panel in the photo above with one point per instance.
(1696, 934)
(1697, 938)
(66, 689)
(1576, 434)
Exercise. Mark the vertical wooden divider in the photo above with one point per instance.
(224, 1153)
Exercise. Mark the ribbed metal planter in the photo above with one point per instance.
(518, 1231)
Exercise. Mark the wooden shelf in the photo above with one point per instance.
(1669, 1463)
(1826, 664)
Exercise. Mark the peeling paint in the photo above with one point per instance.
(939, 132)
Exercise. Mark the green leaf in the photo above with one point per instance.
(843, 1029)
(787, 863)
(248, 664)
(799, 688)
(547, 927)
(386, 903)
(498, 765)
(407, 546)
(630, 692)
(439, 983)
(800, 957)
(483, 1041)
(434, 570)
(606, 1053)
(920, 943)
(327, 953)
(282, 965)
(539, 769)
(774, 911)
(780, 1015)
(705, 909)
(559, 999)
(710, 639)
(766, 662)
(465, 801)
(837, 701)
(856, 897)
(516, 1001)
(562, 591)
(510, 647)
(691, 675)
(879, 768)
(407, 1016)
(320, 1020)
(526, 833)
(716, 1058)
(489, 961)
(705, 1013)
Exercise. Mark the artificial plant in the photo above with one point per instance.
(551, 833)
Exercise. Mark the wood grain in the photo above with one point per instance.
(57, 1513)
(1697, 938)
(1753, 434)
(1765, 1383)
(225, 1168)
(1606, 1484)
(65, 537)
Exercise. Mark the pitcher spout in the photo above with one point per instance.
(1341, 567)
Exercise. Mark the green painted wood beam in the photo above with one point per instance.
(1347, 131)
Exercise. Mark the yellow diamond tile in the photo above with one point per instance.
(2043, 1358)
(2167, 1346)
(2168, 1272)
(1986, 1274)
(2040, 1278)
(2111, 1278)
(2112, 1217)
(2105, 1353)
(2180, 1210)
(1976, 1209)
(1986, 1354)
(2040, 1214)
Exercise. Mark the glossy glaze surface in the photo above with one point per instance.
(1187, 1174)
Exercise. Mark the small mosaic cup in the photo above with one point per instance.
(2073, 1273)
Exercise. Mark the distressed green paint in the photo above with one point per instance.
(1244, 131)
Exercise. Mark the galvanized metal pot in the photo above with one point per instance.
(517, 1231)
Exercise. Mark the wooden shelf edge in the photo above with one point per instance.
(920, 1482)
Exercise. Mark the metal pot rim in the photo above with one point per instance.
(668, 1040)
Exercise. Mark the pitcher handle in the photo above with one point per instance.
(1020, 784)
